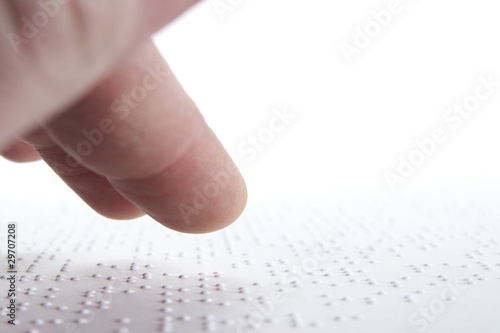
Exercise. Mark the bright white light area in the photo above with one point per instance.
(356, 111)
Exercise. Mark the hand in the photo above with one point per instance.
(83, 87)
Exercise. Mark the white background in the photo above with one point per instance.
(353, 120)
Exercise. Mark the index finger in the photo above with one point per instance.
(141, 131)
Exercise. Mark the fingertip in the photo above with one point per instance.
(195, 218)
(20, 152)
(203, 191)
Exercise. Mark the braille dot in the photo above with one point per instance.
(39, 322)
(85, 312)
(185, 318)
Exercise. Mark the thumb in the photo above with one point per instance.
(54, 51)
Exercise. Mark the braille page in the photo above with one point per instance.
(427, 263)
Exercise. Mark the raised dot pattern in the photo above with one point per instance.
(280, 268)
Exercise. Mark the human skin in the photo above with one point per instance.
(154, 154)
